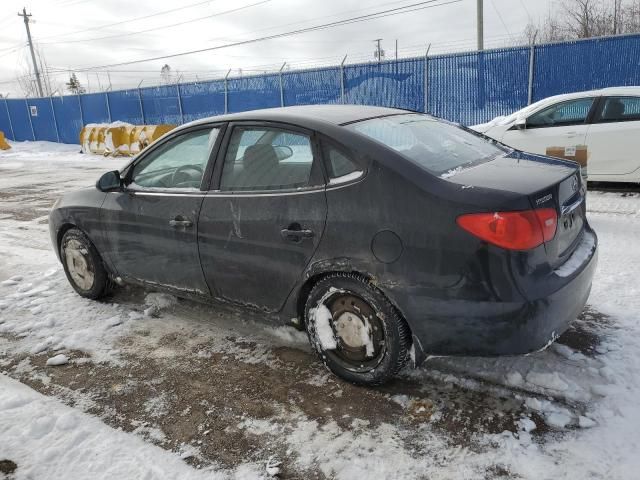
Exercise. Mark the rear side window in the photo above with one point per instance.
(571, 112)
(620, 109)
(340, 166)
(267, 159)
(434, 145)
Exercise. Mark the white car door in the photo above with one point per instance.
(614, 140)
(563, 124)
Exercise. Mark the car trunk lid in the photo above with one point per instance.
(545, 183)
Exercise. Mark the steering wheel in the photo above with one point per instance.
(175, 179)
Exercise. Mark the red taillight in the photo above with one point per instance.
(522, 230)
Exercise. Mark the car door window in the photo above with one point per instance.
(620, 109)
(178, 164)
(572, 112)
(340, 166)
(267, 159)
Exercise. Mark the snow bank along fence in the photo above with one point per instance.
(468, 88)
(117, 138)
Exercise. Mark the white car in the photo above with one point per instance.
(601, 126)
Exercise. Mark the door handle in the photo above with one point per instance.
(180, 222)
(571, 134)
(295, 235)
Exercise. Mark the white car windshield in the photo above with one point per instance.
(435, 145)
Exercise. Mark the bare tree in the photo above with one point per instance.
(575, 19)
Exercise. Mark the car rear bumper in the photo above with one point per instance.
(459, 327)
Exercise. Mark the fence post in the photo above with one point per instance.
(81, 112)
(426, 78)
(140, 102)
(226, 93)
(55, 121)
(342, 79)
(13, 135)
(532, 56)
(106, 97)
(180, 103)
(281, 85)
(33, 132)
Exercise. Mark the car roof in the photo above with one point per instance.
(306, 115)
(633, 91)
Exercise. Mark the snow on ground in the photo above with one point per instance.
(578, 416)
(47, 439)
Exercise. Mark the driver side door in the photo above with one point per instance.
(151, 225)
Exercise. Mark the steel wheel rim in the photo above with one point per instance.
(359, 333)
(79, 264)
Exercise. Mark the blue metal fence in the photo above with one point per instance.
(467, 88)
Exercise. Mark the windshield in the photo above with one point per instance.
(433, 144)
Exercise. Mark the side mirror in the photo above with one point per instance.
(521, 123)
(110, 182)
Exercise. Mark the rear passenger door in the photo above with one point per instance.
(265, 215)
(614, 137)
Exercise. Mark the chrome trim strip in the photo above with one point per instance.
(218, 193)
(166, 194)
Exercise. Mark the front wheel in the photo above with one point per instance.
(355, 330)
(83, 266)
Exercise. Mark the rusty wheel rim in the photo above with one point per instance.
(359, 332)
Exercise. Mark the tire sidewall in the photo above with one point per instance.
(395, 354)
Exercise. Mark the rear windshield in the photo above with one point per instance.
(433, 144)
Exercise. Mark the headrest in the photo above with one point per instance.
(262, 155)
(613, 110)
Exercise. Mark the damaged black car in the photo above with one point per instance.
(388, 235)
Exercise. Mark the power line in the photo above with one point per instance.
(524, 5)
(344, 12)
(191, 76)
(160, 27)
(500, 17)
(144, 17)
(362, 18)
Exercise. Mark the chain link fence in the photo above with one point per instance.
(468, 88)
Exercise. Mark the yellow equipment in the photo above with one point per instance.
(3, 142)
(120, 140)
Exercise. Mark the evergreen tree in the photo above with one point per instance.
(73, 85)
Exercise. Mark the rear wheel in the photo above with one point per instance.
(83, 266)
(355, 330)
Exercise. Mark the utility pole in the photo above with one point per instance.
(396, 49)
(615, 16)
(33, 55)
(480, 25)
(379, 53)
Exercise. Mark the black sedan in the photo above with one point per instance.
(388, 235)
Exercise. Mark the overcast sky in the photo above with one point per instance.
(74, 34)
